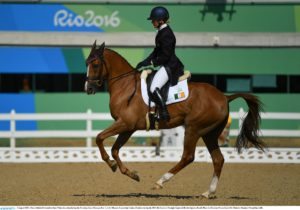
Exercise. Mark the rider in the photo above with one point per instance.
(163, 56)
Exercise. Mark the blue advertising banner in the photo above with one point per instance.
(32, 60)
(21, 103)
(39, 17)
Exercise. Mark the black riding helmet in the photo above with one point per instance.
(159, 13)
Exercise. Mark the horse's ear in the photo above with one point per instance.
(102, 45)
(94, 45)
(100, 49)
(93, 50)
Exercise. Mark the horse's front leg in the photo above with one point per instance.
(116, 128)
(121, 140)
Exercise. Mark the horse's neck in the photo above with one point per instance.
(117, 64)
(118, 79)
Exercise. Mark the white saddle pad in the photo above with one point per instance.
(177, 93)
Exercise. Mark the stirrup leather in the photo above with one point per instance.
(163, 111)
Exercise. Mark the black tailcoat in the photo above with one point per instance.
(164, 54)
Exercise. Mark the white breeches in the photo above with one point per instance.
(160, 79)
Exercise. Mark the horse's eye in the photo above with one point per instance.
(95, 66)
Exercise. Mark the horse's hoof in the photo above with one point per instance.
(209, 195)
(134, 176)
(114, 166)
(156, 187)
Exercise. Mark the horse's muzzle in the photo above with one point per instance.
(89, 88)
(90, 91)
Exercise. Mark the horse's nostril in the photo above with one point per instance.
(89, 90)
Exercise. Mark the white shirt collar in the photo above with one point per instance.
(163, 26)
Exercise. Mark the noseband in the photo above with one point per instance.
(96, 82)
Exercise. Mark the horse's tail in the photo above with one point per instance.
(250, 127)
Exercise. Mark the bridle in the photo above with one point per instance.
(94, 80)
(99, 81)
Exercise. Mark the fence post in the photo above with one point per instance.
(12, 134)
(241, 118)
(89, 128)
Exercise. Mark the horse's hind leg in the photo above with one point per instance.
(218, 162)
(211, 141)
(190, 141)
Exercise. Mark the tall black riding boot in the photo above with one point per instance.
(163, 111)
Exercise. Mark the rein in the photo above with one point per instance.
(125, 75)
(116, 78)
(104, 63)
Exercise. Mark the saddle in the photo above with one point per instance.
(170, 94)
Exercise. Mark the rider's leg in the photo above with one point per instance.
(159, 80)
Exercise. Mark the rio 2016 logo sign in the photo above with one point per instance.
(63, 18)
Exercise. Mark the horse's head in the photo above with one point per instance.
(95, 69)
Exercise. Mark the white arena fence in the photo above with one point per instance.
(132, 154)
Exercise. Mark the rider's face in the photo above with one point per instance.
(156, 23)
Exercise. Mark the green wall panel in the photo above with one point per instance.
(74, 58)
(70, 103)
(273, 103)
(271, 61)
(241, 60)
(297, 18)
(132, 55)
(229, 60)
(244, 18)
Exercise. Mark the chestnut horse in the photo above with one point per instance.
(204, 114)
